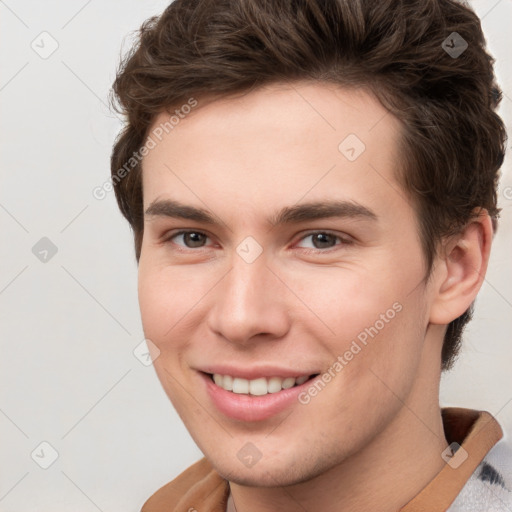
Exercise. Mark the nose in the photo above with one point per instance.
(250, 302)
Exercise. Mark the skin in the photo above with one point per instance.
(302, 301)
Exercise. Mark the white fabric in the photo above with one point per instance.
(489, 489)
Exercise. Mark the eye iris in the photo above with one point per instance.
(321, 237)
(196, 238)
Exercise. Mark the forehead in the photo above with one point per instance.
(277, 143)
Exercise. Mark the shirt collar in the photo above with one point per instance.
(476, 432)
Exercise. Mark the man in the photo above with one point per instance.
(312, 190)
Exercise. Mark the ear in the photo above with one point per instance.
(460, 270)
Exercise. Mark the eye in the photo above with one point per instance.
(191, 239)
(320, 240)
(325, 240)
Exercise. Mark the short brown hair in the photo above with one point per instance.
(453, 141)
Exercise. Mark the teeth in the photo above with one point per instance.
(240, 386)
(301, 380)
(257, 387)
(228, 383)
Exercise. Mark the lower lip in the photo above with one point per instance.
(252, 407)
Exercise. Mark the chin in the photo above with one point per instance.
(266, 474)
(262, 478)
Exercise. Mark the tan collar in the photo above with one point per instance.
(201, 488)
(477, 432)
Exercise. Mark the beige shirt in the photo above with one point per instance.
(202, 489)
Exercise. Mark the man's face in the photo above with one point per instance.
(245, 296)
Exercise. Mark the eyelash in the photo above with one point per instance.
(344, 241)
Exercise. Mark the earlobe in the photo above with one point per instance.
(462, 270)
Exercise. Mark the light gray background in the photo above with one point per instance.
(69, 326)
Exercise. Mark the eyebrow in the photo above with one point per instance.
(288, 215)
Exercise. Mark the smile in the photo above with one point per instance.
(239, 403)
(257, 387)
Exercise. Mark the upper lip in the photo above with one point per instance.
(256, 372)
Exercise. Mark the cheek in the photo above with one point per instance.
(161, 302)
(164, 305)
(351, 298)
(169, 301)
(391, 342)
(374, 313)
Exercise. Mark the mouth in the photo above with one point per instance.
(257, 399)
(260, 386)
